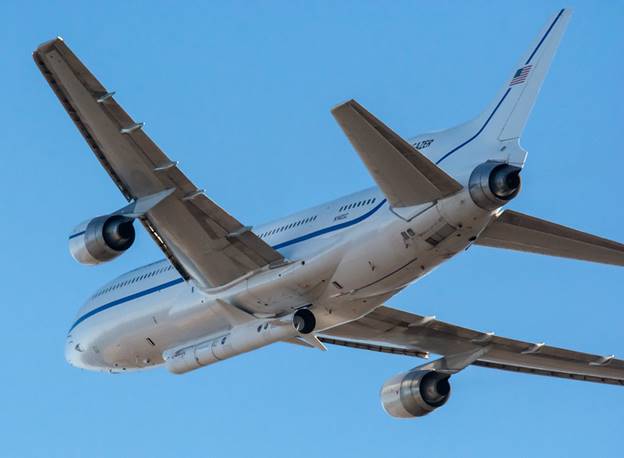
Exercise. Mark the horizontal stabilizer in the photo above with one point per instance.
(516, 231)
(405, 176)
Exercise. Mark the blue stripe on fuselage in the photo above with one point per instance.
(125, 299)
(180, 280)
(336, 227)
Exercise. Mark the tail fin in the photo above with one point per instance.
(504, 119)
(507, 115)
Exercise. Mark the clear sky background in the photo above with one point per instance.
(240, 94)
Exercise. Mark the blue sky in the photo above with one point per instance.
(240, 94)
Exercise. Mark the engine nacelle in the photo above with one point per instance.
(415, 393)
(493, 184)
(238, 340)
(101, 239)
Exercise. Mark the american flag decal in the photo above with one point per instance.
(521, 75)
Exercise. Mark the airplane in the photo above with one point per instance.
(321, 276)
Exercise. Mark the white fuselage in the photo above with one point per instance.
(345, 258)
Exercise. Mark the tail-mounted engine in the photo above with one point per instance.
(415, 393)
(101, 239)
(493, 184)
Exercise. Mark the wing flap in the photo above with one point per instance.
(194, 232)
(517, 231)
(405, 175)
(397, 330)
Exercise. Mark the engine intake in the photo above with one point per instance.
(493, 184)
(101, 239)
(415, 393)
(304, 321)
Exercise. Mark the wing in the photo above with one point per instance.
(395, 331)
(199, 238)
(516, 231)
(404, 175)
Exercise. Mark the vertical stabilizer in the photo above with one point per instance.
(503, 121)
(506, 117)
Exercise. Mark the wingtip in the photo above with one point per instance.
(48, 44)
(342, 104)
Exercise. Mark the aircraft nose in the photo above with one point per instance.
(76, 353)
(70, 351)
(81, 351)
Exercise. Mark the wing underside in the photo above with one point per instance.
(201, 239)
(394, 331)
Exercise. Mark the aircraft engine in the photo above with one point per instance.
(101, 239)
(415, 393)
(493, 184)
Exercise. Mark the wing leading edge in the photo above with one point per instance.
(395, 331)
(199, 238)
